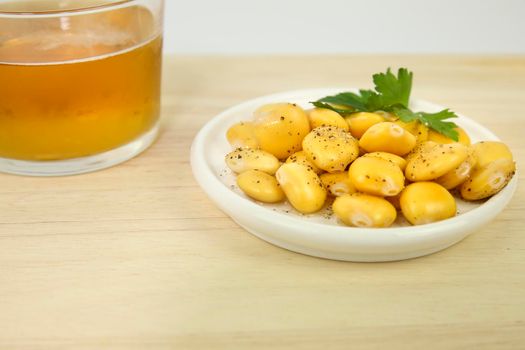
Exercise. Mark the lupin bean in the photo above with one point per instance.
(362, 210)
(241, 135)
(376, 176)
(302, 187)
(387, 137)
(488, 180)
(244, 159)
(488, 151)
(326, 117)
(330, 148)
(280, 128)
(433, 160)
(260, 186)
(426, 202)
(359, 123)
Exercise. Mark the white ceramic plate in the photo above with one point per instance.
(320, 234)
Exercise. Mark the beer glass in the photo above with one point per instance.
(79, 83)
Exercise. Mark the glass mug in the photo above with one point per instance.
(79, 83)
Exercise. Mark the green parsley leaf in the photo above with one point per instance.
(394, 90)
(347, 99)
(392, 94)
(333, 108)
(435, 121)
(390, 91)
(405, 114)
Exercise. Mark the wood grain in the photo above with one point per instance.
(136, 257)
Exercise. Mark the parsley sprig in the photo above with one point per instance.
(391, 94)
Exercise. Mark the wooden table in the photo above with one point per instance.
(136, 257)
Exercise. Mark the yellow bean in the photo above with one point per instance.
(376, 176)
(427, 202)
(302, 187)
(359, 123)
(241, 135)
(388, 137)
(300, 158)
(488, 180)
(457, 176)
(387, 116)
(280, 128)
(244, 159)
(422, 147)
(362, 210)
(416, 128)
(434, 160)
(326, 117)
(392, 158)
(337, 184)
(330, 148)
(260, 186)
(440, 138)
(488, 151)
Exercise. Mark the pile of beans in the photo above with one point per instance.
(372, 164)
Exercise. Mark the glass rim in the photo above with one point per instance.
(70, 11)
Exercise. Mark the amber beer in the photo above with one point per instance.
(78, 86)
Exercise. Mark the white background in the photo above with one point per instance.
(344, 26)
